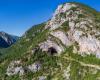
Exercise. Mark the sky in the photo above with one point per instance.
(17, 16)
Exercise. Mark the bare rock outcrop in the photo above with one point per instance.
(15, 68)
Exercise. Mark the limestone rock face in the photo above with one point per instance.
(82, 29)
(61, 36)
(50, 44)
(15, 68)
(61, 15)
(34, 67)
(89, 45)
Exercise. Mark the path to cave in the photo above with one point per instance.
(82, 63)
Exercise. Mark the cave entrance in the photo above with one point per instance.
(52, 51)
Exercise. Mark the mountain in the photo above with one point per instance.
(7, 40)
(67, 47)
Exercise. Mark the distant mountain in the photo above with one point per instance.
(7, 40)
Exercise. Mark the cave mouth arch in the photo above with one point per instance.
(52, 51)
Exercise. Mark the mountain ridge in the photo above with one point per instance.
(7, 40)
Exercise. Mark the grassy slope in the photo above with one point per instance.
(21, 48)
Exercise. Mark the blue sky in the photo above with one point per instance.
(16, 16)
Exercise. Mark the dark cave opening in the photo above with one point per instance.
(52, 51)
